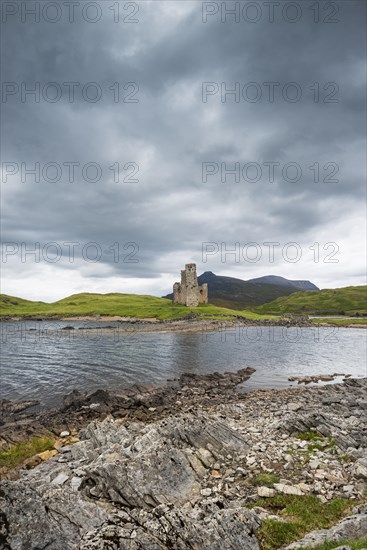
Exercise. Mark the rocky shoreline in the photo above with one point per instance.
(183, 466)
(192, 321)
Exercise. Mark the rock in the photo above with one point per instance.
(64, 434)
(265, 492)
(326, 377)
(169, 527)
(11, 408)
(141, 467)
(181, 478)
(57, 445)
(348, 489)
(205, 457)
(75, 483)
(294, 406)
(303, 487)
(331, 400)
(32, 462)
(288, 489)
(60, 479)
(360, 468)
(47, 454)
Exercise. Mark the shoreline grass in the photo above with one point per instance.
(299, 516)
(19, 452)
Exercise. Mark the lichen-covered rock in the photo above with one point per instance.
(74, 500)
(184, 479)
(206, 527)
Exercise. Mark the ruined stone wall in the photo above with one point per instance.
(189, 292)
(177, 298)
(203, 294)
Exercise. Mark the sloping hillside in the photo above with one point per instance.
(124, 305)
(340, 301)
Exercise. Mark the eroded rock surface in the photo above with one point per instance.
(186, 479)
(153, 471)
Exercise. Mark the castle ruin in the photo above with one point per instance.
(189, 293)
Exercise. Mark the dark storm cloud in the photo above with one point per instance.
(170, 132)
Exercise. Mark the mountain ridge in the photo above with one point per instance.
(235, 293)
(282, 281)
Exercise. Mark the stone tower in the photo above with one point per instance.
(189, 293)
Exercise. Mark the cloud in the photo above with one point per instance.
(163, 139)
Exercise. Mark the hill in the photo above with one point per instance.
(234, 293)
(124, 305)
(350, 300)
(275, 280)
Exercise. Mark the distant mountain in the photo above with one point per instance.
(275, 280)
(235, 293)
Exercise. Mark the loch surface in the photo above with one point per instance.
(42, 360)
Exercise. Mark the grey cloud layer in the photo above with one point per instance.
(170, 132)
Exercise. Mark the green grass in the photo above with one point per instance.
(350, 300)
(124, 305)
(354, 544)
(316, 441)
(19, 452)
(266, 480)
(309, 436)
(301, 515)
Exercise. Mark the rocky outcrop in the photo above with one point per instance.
(204, 527)
(342, 415)
(184, 479)
(141, 402)
(153, 472)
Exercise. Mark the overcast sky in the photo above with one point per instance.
(296, 147)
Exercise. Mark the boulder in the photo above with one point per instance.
(360, 468)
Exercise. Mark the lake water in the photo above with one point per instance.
(41, 361)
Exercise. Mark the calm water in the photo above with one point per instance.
(41, 361)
